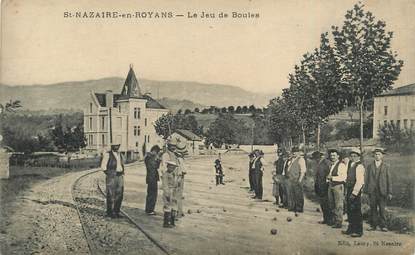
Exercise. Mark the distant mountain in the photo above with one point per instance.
(73, 95)
(175, 104)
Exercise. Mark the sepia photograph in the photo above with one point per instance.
(207, 127)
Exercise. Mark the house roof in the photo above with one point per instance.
(188, 135)
(404, 90)
(151, 103)
(131, 87)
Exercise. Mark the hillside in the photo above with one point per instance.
(74, 95)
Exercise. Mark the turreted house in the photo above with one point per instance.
(125, 119)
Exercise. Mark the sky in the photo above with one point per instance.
(40, 46)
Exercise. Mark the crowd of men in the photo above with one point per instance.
(338, 184)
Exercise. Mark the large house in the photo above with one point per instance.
(126, 119)
(395, 107)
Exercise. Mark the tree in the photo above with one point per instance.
(222, 130)
(251, 109)
(238, 109)
(231, 109)
(224, 110)
(244, 109)
(197, 110)
(72, 139)
(367, 64)
(169, 123)
(187, 111)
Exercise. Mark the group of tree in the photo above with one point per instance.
(349, 71)
(230, 109)
(169, 123)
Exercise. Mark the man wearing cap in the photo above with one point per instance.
(152, 161)
(379, 188)
(251, 172)
(113, 165)
(181, 152)
(171, 207)
(336, 179)
(296, 172)
(321, 186)
(278, 178)
(354, 184)
(258, 165)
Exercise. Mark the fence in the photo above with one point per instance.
(53, 161)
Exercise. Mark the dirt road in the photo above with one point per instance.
(222, 220)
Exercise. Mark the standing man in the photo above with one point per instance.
(181, 152)
(152, 161)
(321, 186)
(354, 184)
(379, 188)
(277, 187)
(113, 165)
(251, 170)
(285, 181)
(296, 173)
(259, 171)
(336, 179)
(218, 172)
(170, 182)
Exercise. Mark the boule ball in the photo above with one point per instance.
(274, 219)
(296, 214)
(243, 180)
(189, 211)
(266, 209)
(198, 211)
(277, 210)
(317, 209)
(274, 231)
(289, 219)
(224, 209)
(210, 187)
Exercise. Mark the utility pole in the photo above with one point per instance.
(252, 137)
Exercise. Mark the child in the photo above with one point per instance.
(219, 172)
(169, 184)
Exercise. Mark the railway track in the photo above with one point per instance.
(106, 236)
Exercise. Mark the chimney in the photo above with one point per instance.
(109, 98)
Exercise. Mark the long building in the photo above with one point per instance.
(395, 107)
(126, 119)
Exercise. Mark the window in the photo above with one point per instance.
(136, 130)
(119, 108)
(385, 122)
(90, 107)
(405, 123)
(392, 123)
(398, 124)
(412, 123)
(385, 110)
(148, 138)
(119, 120)
(136, 113)
(145, 122)
(103, 139)
(136, 144)
(91, 140)
(102, 122)
(90, 123)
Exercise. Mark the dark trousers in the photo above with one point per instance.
(354, 213)
(219, 179)
(151, 198)
(325, 209)
(115, 192)
(251, 180)
(258, 184)
(285, 186)
(377, 205)
(295, 196)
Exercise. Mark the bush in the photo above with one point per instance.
(396, 139)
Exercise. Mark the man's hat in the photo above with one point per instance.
(217, 161)
(355, 151)
(333, 150)
(316, 154)
(115, 145)
(181, 147)
(381, 150)
(172, 142)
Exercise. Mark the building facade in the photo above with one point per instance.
(395, 107)
(126, 119)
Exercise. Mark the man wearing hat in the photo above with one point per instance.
(152, 161)
(336, 179)
(251, 172)
(278, 178)
(113, 165)
(354, 184)
(258, 165)
(296, 172)
(181, 152)
(171, 206)
(379, 188)
(219, 172)
(321, 186)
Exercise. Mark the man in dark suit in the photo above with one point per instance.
(321, 186)
(113, 165)
(379, 188)
(278, 178)
(152, 161)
